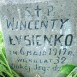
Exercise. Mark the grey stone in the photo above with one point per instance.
(40, 37)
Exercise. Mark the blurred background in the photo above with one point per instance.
(0, 26)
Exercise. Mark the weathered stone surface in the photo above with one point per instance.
(40, 37)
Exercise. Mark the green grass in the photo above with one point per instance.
(69, 70)
(5, 69)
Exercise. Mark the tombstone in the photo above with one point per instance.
(40, 36)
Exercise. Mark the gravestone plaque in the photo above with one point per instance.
(41, 36)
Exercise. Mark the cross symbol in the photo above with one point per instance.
(37, 9)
